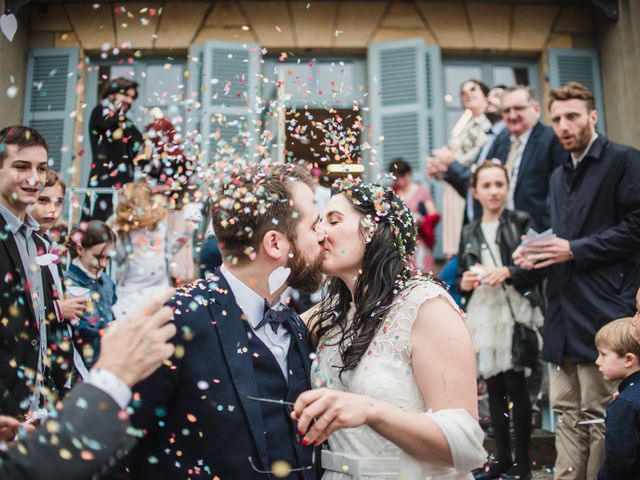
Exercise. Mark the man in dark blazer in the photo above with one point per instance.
(91, 426)
(221, 407)
(115, 144)
(593, 270)
(530, 151)
(535, 153)
(31, 340)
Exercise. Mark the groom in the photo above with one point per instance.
(204, 413)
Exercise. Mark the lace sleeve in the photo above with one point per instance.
(399, 322)
(415, 295)
(427, 290)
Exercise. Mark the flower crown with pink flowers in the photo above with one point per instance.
(389, 209)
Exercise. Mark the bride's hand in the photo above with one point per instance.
(332, 410)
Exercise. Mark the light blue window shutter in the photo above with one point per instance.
(193, 99)
(568, 65)
(398, 101)
(436, 135)
(50, 100)
(229, 90)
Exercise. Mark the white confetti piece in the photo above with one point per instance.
(8, 25)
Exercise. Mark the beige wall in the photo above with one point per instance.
(13, 61)
(329, 26)
(620, 66)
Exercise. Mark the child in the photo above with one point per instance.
(91, 249)
(47, 211)
(618, 359)
(498, 295)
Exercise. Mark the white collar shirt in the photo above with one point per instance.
(252, 305)
(524, 139)
(577, 160)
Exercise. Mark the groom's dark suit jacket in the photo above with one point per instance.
(197, 418)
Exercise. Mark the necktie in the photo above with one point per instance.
(274, 316)
(512, 157)
(512, 168)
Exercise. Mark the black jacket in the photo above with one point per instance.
(89, 425)
(512, 226)
(597, 208)
(19, 335)
(112, 158)
(622, 441)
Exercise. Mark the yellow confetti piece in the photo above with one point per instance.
(280, 468)
(179, 351)
(65, 454)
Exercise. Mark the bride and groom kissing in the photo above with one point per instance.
(383, 367)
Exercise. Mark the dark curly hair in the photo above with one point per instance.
(385, 270)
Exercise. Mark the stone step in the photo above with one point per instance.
(542, 451)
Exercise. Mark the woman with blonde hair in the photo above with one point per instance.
(144, 247)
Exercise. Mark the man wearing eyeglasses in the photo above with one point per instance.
(530, 151)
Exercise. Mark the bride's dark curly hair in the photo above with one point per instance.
(389, 233)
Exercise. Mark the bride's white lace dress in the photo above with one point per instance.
(385, 372)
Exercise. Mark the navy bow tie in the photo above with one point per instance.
(274, 317)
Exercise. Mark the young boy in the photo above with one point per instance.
(619, 359)
(47, 211)
(32, 363)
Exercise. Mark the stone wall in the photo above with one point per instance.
(13, 67)
(472, 28)
(619, 52)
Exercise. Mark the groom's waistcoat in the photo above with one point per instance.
(283, 441)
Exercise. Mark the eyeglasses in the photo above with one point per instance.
(515, 108)
(288, 405)
(284, 470)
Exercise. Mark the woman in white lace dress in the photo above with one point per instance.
(394, 376)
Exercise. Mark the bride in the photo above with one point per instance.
(394, 378)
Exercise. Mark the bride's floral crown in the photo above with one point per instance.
(389, 209)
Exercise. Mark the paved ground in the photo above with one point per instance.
(542, 475)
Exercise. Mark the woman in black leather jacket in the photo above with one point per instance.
(498, 294)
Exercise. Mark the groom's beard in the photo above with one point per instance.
(305, 274)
